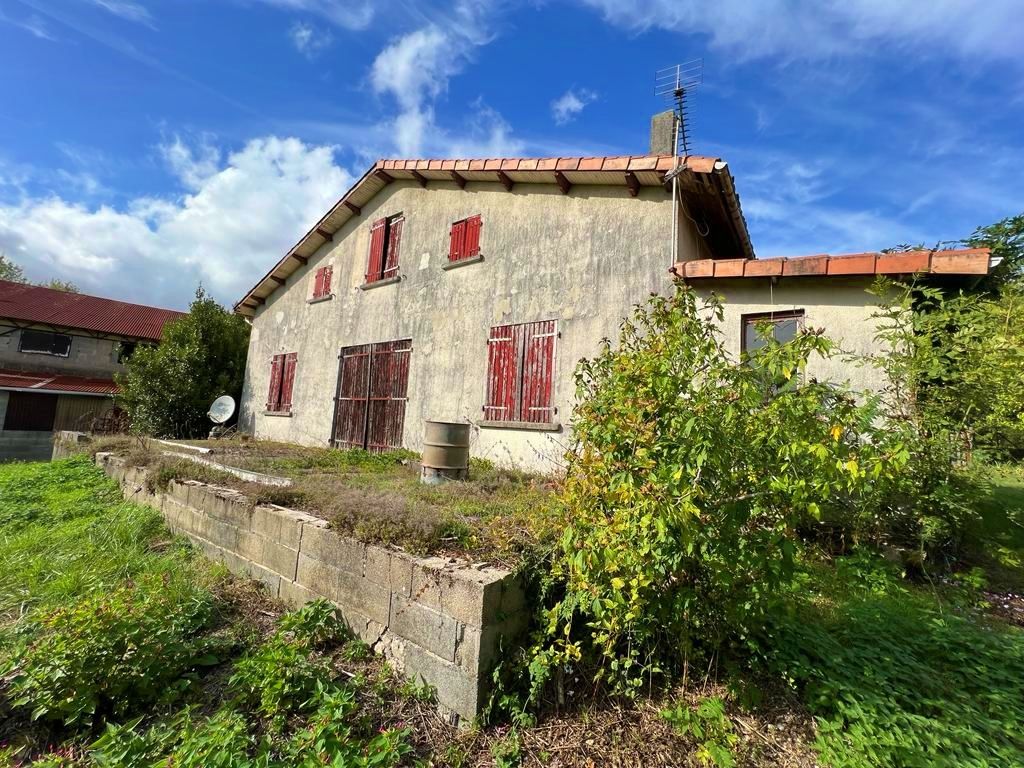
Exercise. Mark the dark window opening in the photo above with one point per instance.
(30, 412)
(520, 373)
(125, 350)
(45, 343)
(385, 244)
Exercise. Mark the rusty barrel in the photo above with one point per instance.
(445, 452)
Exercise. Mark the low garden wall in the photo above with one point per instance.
(438, 622)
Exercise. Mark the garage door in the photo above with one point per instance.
(30, 412)
(373, 383)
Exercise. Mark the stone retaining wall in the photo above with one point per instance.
(437, 621)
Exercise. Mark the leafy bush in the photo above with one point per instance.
(687, 481)
(708, 725)
(167, 389)
(893, 679)
(110, 653)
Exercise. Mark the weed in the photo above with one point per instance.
(508, 751)
(708, 725)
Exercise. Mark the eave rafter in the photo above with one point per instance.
(420, 178)
(458, 179)
(324, 234)
(279, 280)
(506, 182)
(633, 183)
(354, 208)
(563, 183)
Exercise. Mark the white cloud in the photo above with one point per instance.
(237, 218)
(811, 30)
(126, 10)
(566, 107)
(309, 40)
(415, 70)
(34, 24)
(347, 14)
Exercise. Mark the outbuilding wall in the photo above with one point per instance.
(89, 356)
(583, 259)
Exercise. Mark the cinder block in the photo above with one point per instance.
(401, 574)
(424, 626)
(477, 650)
(455, 690)
(344, 588)
(277, 525)
(328, 547)
(377, 565)
(426, 581)
(469, 595)
(280, 559)
(220, 533)
(251, 546)
(296, 595)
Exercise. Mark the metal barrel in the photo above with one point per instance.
(445, 451)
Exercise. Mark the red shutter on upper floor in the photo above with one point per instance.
(322, 283)
(394, 246)
(288, 381)
(502, 374)
(472, 243)
(375, 262)
(538, 372)
(328, 274)
(274, 395)
(456, 246)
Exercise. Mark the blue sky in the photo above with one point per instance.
(148, 145)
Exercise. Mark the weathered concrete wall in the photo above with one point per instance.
(436, 621)
(25, 446)
(839, 305)
(88, 357)
(583, 259)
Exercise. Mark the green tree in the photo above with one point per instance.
(10, 271)
(1005, 238)
(167, 389)
(689, 478)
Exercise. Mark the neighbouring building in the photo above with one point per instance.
(59, 352)
(467, 290)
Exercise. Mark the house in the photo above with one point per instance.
(467, 290)
(59, 352)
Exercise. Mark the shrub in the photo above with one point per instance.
(688, 478)
(708, 725)
(110, 653)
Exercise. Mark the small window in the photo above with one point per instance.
(125, 350)
(520, 373)
(465, 241)
(785, 327)
(282, 382)
(385, 244)
(322, 282)
(45, 343)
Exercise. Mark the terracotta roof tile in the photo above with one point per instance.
(966, 261)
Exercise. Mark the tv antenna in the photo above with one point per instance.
(676, 85)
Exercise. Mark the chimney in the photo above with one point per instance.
(663, 133)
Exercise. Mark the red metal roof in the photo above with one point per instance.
(46, 306)
(964, 261)
(53, 382)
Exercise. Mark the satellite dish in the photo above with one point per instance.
(223, 408)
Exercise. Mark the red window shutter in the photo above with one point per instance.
(375, 263)
(326, 287)
(456, 247)
(274, 395)
(394, 244)
(318, 283)
(288, 381)
(502, 374)
(538, 372)
(472, 245)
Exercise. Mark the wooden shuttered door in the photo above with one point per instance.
(373, 383)
(520, 373)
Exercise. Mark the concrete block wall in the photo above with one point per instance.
(436, 621)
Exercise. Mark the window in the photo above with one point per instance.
(322, 282)
(465, 242)
(520, 373)
(282, 380)
(125, 350)
(45, 343)
(385, 240)
(785, 327)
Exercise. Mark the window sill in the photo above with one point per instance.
(526, 426)
(320, 299)
(379, 283)
(280, 414)
(463, 262)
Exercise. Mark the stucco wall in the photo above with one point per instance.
(88, 357)
(583, 259)
(840, 305)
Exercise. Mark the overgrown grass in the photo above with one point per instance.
(899, 675)
(110, 626)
